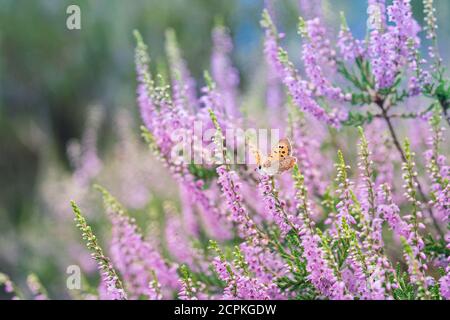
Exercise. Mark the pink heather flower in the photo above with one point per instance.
(320, 269)
(320, 274)
(274, 206)
(378, 282)
(179, 100)
(271, 51)
(178, 243)
(249, 289)
(9, 286)
(187, 290)
(355, 279)
(349, 47)
(274, 94)
(390, 212)
(346, 203)
(212, 218)
(231, 190)
(298, 89)
(382, 48)
(221, 268)
(243, 287)
(165, 120)
(316, 35)
(187, 208)
(144, 90)
(223, 72)
(394, 46)
(444, 282)
(263, 263)
(407, 227)
(310, 159)
(310, 9)
(377, 13)
(215, 221)
(160, 116)
(183, 84)
(382, 154)
(302, 97)
(212, 99)
(383, 56)
(439, 172)
(113, 288)
(406, 27)
(83, 155)
(154, 290)
(107, 289)
(317, 54)
(134, 257)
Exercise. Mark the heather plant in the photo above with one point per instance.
(363, 213)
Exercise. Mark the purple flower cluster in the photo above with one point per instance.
(178, 242)
(316, 55)
(298, 89)
(228, 180)
(296, 234)
(135, 258)
(349, 47)
(320, 274)
(239, 285)
(390, 212)
(223, 73)
(274, 206)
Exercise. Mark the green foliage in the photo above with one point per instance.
(340, 249)
(436, 248)
(149, 139)
(298, 282)
(405, 289)
(356, 119)
(208, 80)
(239, 260)
(302, 30)
(207, 175)
(267, 23)
(442, 93)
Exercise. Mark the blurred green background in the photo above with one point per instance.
(50, 76)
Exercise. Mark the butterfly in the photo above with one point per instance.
(278, 161)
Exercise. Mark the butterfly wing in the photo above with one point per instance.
(287, 164)
(279, 159)
(270, 167)
(282, 150)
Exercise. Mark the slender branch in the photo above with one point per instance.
(409, 115)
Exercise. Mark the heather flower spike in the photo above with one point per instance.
(297, 88)
(36, 287)
(341, 210)
(135, 258)
(10, 287)
(108, 274)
